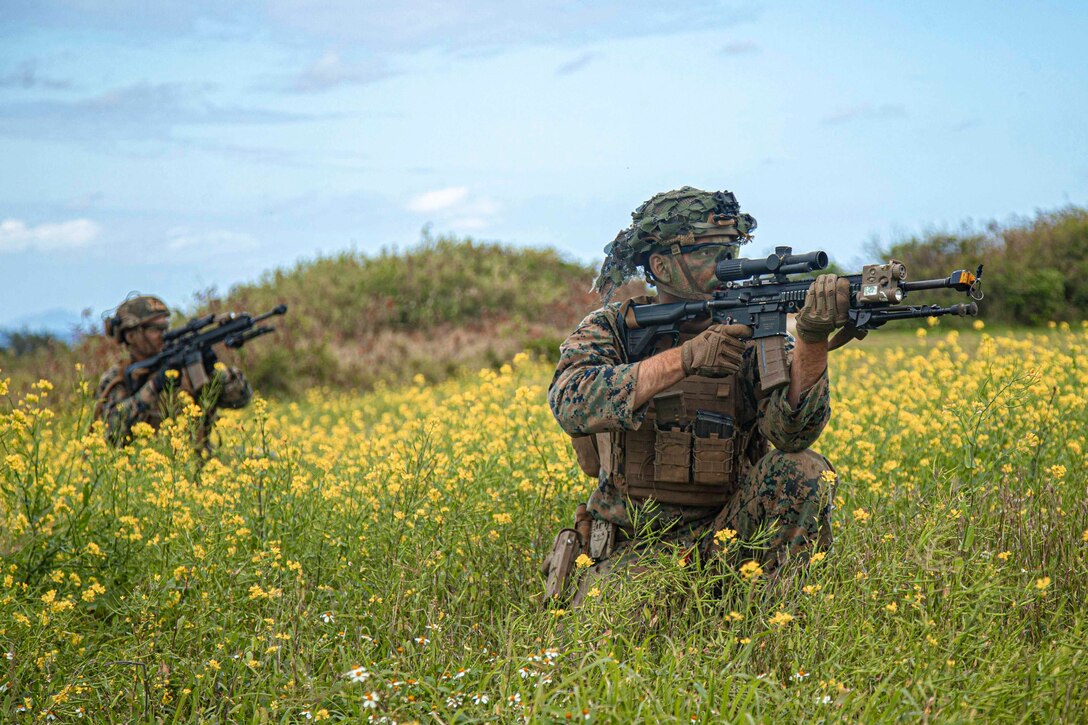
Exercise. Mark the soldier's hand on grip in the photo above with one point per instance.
(716, 352)
(827, 303)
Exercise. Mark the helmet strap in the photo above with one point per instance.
(692, 292)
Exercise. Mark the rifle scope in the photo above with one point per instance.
(192, 326)
(782, 262)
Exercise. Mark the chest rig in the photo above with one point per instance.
(687, 450)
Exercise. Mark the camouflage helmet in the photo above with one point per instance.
(666, 219)
(132, 313)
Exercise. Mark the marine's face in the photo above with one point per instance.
(701, 259)
(146, 340)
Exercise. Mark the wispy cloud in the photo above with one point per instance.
(141, 111)
(456, 207)
(573, 66)
(866, 112)
(212, 241)
(438, 200)
(26, 75)
(17, 236)
(331, 71)
(740, 47)
(967, 124)
(413, 25)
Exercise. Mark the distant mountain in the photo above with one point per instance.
(58, 322)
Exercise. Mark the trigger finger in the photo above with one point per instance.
(736, 331)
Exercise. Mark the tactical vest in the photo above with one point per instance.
(688, 450)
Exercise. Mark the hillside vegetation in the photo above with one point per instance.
(1036, 270)
(355, 320)
(443, 305)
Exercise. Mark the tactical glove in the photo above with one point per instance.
(714, 353)
(826, 305)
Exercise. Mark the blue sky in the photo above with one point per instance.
(169, 147)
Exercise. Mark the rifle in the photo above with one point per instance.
(759, 293)
(185, 347)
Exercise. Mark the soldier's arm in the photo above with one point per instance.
(121, 411)
(657, 373)
(594, 388)
(809, 365)
(790, 427)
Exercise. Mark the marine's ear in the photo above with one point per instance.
(660, 267)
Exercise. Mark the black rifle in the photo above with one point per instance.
(185, 347)
(759, 293)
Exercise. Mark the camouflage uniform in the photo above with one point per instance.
(121, 409)
(786, 490)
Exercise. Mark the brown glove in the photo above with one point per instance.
(716, 352)
(826, 305)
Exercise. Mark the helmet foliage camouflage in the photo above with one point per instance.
(134, 312)
(665, 219)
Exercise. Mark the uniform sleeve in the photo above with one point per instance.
(787, 429)
(236, 391)
(119, 410)
(593, 389)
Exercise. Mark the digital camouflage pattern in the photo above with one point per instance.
(121, 408)
(593, 391)
(663, 218)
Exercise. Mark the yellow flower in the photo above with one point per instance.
(16, 463)
(1004, 555)
(220, 367)
(724, 536)
(978, 324)
(1057, 472)
(171, 374)
(214, 664)
(892, 607)
(1084, 536)
(818, 556)
(594, 592)
(933, 321)
(1042, 583)
(503, 518)
(750, 570)
(861, 515)
(921, 332)
(828, 477)
(781, 619)
(583, 562)
(736, 616)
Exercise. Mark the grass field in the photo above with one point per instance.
(356, 556)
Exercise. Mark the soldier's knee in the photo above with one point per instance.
(800, 465)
